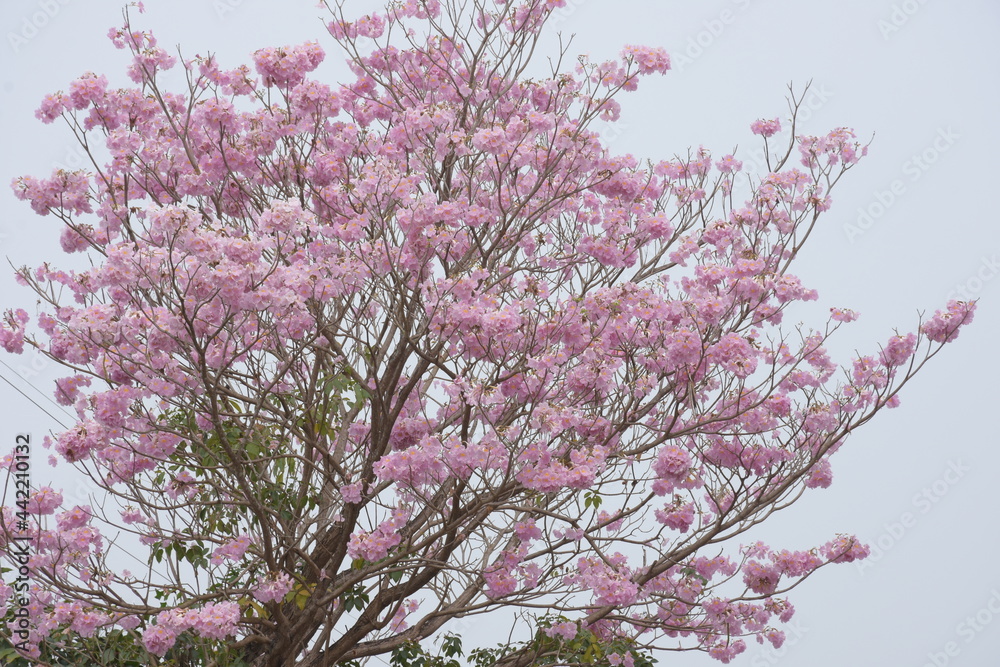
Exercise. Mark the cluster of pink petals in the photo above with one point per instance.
(376, 545)
(273, 588)
(288, 66)
(944, 326)
(766, 128)
(215, 620)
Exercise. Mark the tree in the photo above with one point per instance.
(352, 363)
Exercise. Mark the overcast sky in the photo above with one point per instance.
(911, 226)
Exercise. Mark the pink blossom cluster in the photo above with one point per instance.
(12, 330)
(66, 190)
(286, 67)
(511, 572)
(233, 550)
(679, 516)
(352, 493)
(649, 60)
(273, 588)
(77, 617)
(44, 501)
(418, 465)
(673, 465)
(375, 545)
(371, 26)
(215, 620)
(844, 549)
(898, 350)
(944, 326)
(545, 472)
(766, 128)
(610, 580)
(567, 630)
(408, 607)
(840, 145)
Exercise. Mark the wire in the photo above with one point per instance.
(40, 392)
(2, 377)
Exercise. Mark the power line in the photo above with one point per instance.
(39, 391)
(33, 402)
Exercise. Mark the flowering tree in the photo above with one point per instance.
(351, 363)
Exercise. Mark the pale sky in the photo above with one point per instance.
(911, 226)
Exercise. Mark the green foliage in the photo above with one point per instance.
(583, 649)
(355, 598)
(414, 655)
(592, 499)
(114, 648)
(121, 648)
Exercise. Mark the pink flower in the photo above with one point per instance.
(377, 544)
(490, 140)
(158, 639)
(128, 622)
(87, 90)
(728, 164)
(761, 578)
(74, 518)
(796, 563)
(672, 461)
(351, 493)
(12, 330)
(725, 653)
(843, 315)
(820, 475)
(766, 128)
(87, 622)
(649, 60)
(233, 550)
(286, 67)
(398, 623)
(844, 549)
(68, 388)
(499, 582)
(776, 637)
(567, 630)
(678, 518)
(216, 620)
(943, 327)
(274, 589)
(44, 501)
(898, 350)
(527, 531)
(52, 107)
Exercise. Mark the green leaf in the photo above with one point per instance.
(452, 646)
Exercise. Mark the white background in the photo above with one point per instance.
(919, 76)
